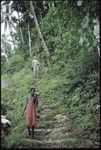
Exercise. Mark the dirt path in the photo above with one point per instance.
(54, 130)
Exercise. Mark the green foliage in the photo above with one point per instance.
(16, 63)
(14, 99)
(23, 50)
(71, 84)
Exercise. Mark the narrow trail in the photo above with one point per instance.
(46, 129)
(55, 132)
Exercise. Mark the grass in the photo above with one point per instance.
(14, 98)
(68, 88)
(54, 91)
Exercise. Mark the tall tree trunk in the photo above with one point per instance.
(21, 30)
(40, 15)
(6, 58)
(14, 43)
(98, 50)
(53, 5)
(3, 51)
(30, 51)
(21, 35)
(49, 5)
(39, 32)
(5, 55)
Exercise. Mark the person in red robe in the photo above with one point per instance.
(30, 111)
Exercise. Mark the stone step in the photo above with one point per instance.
(62, 143)
(50, 130)
(51, 133)
(45, 124)
(46, 143)
(40, 133)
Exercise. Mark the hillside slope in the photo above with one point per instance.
(68, 94)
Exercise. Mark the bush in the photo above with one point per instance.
(16, 63)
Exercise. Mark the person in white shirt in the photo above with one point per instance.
(35, 66)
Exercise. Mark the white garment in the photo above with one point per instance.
(2, 116)
(4, 120)
(35, 62)
(35, 65)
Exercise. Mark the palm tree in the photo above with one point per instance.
(19, 20)
(39, 32)
(23, 20)
(6, 16)
(29, 36)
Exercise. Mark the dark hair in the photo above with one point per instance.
(32, 89)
